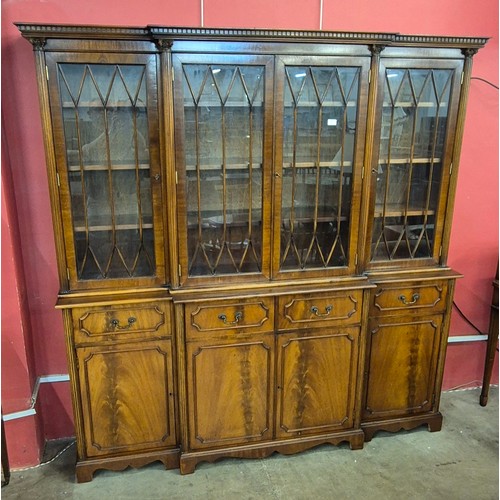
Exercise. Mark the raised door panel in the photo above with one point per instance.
(321, 110)
(316, 382)
(412, 160)
(223, 126)
(105, 115)
(230, 388)
(402, 362)
(127, 397)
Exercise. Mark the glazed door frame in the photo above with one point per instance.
(238, 60)
(151, 76)
(313, 62)
(417, 63)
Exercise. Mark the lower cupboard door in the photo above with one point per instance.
(127, 397)
(402, 361)
(230, 391)
(316, 381)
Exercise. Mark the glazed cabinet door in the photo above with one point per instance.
(105, 120)
(402, 361)
(320, 128)
(411, 170)
(223, 128)
(127, 397)
(316, 381)
(230, 391)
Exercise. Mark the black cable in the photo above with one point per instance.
(485, 81)
(467, 319)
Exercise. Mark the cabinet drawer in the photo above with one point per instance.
(319, 310)
(230, 317)
(388, 299)
(129, 321)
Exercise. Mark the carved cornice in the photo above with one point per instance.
(440, 41)
(163, 36)
(265, 34)
(80, 31)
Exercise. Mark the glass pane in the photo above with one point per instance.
(223, 129)
(107, 147)
(414, 121)
(319, 122)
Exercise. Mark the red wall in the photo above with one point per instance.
(18, 372)
(474, 243)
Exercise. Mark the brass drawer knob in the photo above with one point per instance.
(315, 311)
(237, 317)
(413, 300)
(115, 323)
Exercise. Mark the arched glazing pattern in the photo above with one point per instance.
(106, 135)
(223, 134)
(319, 125)
(412, 148)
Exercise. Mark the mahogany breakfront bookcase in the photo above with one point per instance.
(252, 229)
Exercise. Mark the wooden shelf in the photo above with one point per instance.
(99, 168)
(320, 219)
(219, 104)
(409, 104)
(400, 211)
(305, 215)
(117, 227)
(414, 161)
(123, 223)
(231, 166)
(323, 164)
(258, 166)
(325, 104)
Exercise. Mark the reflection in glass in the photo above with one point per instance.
(414, 121)
(223, 131)
(319, 121)
(106, 135)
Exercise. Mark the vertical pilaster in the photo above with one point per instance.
(457, 148)
(168, 157)
(371, 125)
(182, 412)
(50, 158)
(74, 384)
